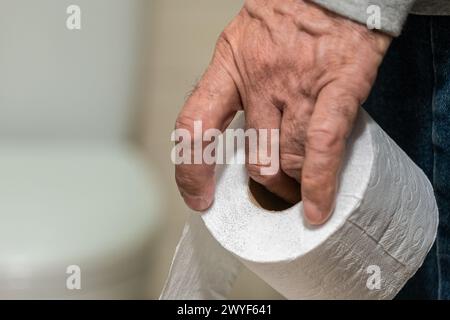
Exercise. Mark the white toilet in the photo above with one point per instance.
(79, 206)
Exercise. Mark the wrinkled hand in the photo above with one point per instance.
(291, 65)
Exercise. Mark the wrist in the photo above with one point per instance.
(380, 39)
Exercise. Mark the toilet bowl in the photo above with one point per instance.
(92, 207)
(79, 207)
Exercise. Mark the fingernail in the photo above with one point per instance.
(313, 214)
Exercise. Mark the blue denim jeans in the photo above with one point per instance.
(411, 102)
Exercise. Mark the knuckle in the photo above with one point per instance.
(312, 183)
(184, 122)
(224, 45)
(190, 181)
(223, 41)
(186, 183)
(345, 110)
(286, 164)
(323, 139)
(185, 128)
(224, 37)
(254, 171)
(291, 164)
(188, 123)
(311, 180)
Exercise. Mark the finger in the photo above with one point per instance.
(294, 123)
(329, 128)
(212, 105)
(263, 164)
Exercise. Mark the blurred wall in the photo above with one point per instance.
(182, 38)
(57, 83)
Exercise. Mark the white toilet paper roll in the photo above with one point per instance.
(383, 226)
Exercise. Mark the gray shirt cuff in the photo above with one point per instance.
(393, 13)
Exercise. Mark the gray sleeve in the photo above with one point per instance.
(393, 12)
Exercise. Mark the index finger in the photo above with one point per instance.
(212, 105)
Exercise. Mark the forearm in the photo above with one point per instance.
(393, 13)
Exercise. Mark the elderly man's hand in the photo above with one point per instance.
(293, 66)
